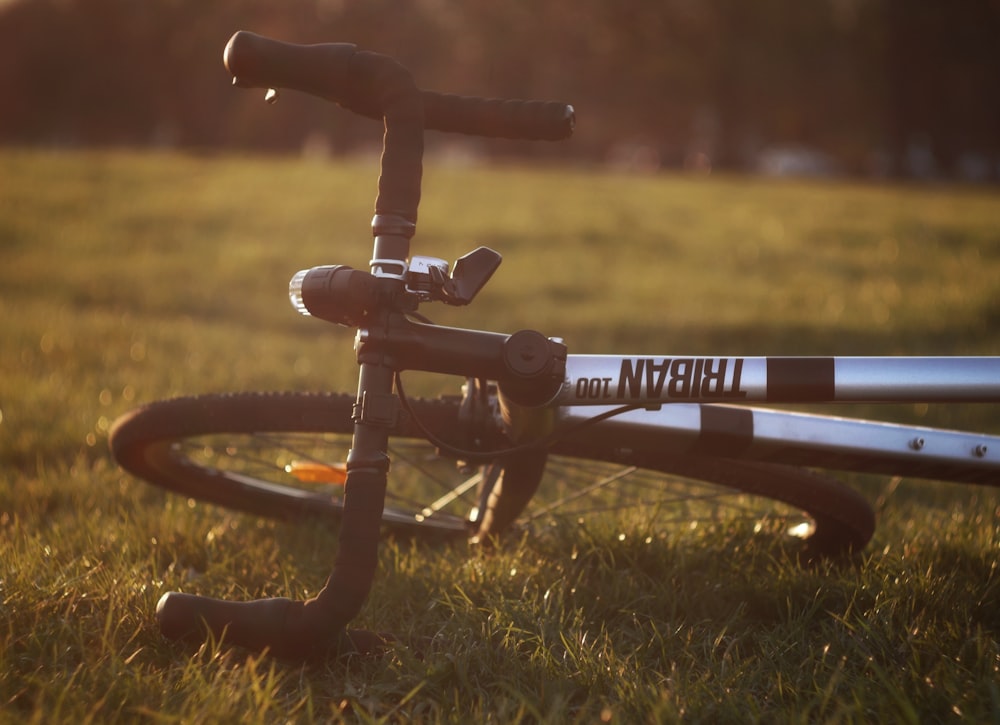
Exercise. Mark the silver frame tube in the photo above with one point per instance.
(801, 439)
(644, 379)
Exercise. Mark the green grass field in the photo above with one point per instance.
(126, 278)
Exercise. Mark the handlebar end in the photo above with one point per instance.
(227, 55)
(279, 625)
(322, 70)
(168, 617)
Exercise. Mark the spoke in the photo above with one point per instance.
(449, 492)
(584, 491)
(250, 463)
(455, 493)
(658, 503)
(641, 482)
(284, 443)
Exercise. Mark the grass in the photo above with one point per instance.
(131, 277)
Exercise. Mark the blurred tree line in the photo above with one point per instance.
(887, 86)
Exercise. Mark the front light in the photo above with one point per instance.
(295, 292)
(334, 293)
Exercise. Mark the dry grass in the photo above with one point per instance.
(128, 277)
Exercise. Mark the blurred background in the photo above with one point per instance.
(870, 88)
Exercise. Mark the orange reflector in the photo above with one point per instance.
(311, 472)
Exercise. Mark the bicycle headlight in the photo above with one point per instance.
(295, 292)
(336, 293)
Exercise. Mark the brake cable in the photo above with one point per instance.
(486, 456)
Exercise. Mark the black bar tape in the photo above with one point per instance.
(281, 626)
(322, 70)
(256, 624)
(340, 73)
(290, 628)
(531, 120)
(367, 83)
(392, 90)
(353, 573)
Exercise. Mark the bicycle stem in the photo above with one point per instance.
(528, 367)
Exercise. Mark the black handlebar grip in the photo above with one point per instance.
(323, 70)
(255, 624)
(371, 84)
(497, 118)
(339, 72)
(287, 628)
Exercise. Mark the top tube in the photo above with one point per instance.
(642, 380)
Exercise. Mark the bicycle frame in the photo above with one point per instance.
(794, 438)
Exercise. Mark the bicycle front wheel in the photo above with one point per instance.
(283, 455)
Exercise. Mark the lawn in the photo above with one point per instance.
(129, 277)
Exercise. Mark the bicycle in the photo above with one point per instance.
(528, 408)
